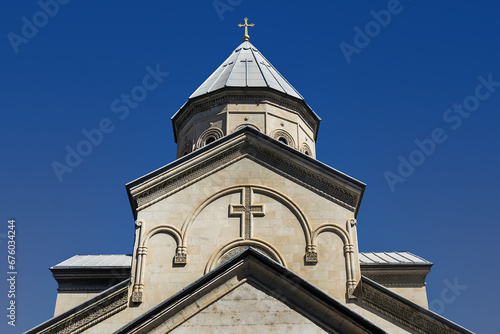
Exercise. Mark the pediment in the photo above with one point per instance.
(251, 291)
(246, 143)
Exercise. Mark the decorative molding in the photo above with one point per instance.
(137, 296)
(349, 250)
(401, 312)
(186, 113)
(91, 315)
(225, 252)
(258, 209)
(186, 149)
(142, 252)
(397, 279)
(182, 179)
(306, 178)
(238, 249)
(213, 131)
(180, 257)
(306, 150)
(351, 289)
(280, 164)
(251, 125)
(277, 134)
(311, 256)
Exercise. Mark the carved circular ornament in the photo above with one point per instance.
(238, 249)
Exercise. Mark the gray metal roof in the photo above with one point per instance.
(96, 261)
(391, 258)
(125, 260)
(246, 67)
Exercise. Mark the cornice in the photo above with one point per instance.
(404, 311)
(395, 275)
(250, 143)
(254, 96)
(88, 314)
(398, 280)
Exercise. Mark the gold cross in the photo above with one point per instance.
(246, 25)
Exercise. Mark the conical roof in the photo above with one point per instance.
(246, 67)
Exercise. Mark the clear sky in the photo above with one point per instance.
(409, 94)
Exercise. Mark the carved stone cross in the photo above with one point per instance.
(246, 211)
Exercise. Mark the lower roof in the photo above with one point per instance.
(125, 260)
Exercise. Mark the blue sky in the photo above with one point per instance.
(409, 94)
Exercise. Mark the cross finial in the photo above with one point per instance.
(246, 25)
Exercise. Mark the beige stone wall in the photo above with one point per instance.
(417, 295)
(67, 300)
(201, 213)
(247, 310)
(272, 119)
(329, 273)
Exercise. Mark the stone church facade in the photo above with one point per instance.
(245, 231)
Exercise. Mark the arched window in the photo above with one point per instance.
(283, 137)
(209, 136)
(209, 140)
(186, 149)
(283, 140)
(306, 149)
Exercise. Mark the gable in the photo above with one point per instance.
(203, 222)
(256, 291)
(246, 142)
(248, 308)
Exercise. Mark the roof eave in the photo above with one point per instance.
(196, 99)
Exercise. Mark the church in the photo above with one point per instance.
(245, 232)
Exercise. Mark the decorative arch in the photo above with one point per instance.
(348, 251)
(282, 134)
(283, 199)
(197, 210)
(250, 125)
(180, 257)
(186, 149)
(331, 227)
(239, 245)
(208, 136)
(306, 149)
(168, 229)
